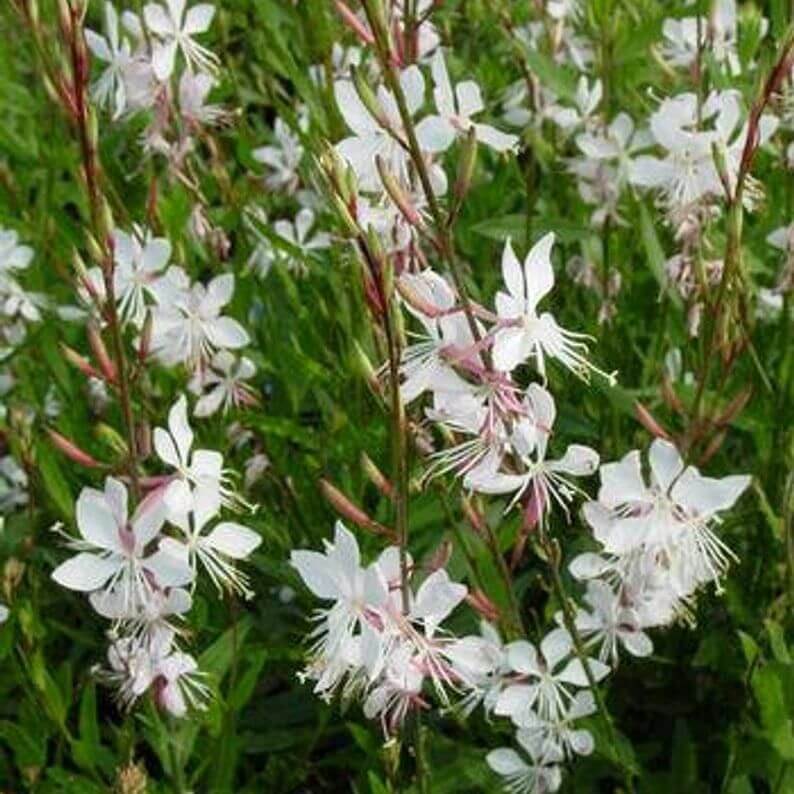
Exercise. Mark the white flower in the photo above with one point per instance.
(13, 484)
(426, 362)
(197, 486)
(188, 326)
(224, 384)
(371, 139)
(455, 109)
(586, 101)
(13, 256)
(174, 30)
(524, 333)
(541, 776)
(110, 89)
(193, 92)
(612, 619)
(140, 260)
(673, 517)
(218, 550)
(283, 158)
(298, 234)
(545, 678)
(3, 613)
(113, 550)
(337, 576)
(178, 685)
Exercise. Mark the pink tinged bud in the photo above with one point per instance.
(351, 511)
(72, 451)
(145, 342)
(483, 605)
(532, 515)
(440, 557)
(101, 353)
(397, 194)
(646, 419)
(473, 516)
(76, 360)
(376, 476)
(735, 406)
(354, 23)
(416, 301)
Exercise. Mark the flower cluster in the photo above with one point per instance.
(139, 570)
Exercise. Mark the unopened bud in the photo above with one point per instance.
(473, 516)
(376, 476)
(95, 250)
(440, 556)
(351, 511)
(72, 451)
(111, 437)
(713, 447)
(145, 342)
(364, 367)
(646, 419)
(468, 159)
(78, 361)
(143, 440)
(397, 194)
(367, 97)
(354, 23)
(670, 397)
(101, 353)
(480, 603)
(735, 406)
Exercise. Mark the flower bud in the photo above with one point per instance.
(78, 361)
(646, 419)
(111, 437)
(354, 23)
(480, 603)
(72, 451)
(473, 516)
(397, 194)
(351, 511)
(440, 556)
(101, 353)
(468, 159)
(367, 97)
(364, 367)
(376, 476)
(145, 342)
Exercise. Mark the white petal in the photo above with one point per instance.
(163, 58)
(499, 141)
(507, 762)
(435, 134)
(179, 427)
(621, 481)
(85, 571)
(522, 657)
(234, 540)
(317, 573)
(538, 271)
(512, 273)
(170, 564)
(413, 84)
(227, 332)
(666, 463)
(708, 495)
(198, 19)
(96, 521)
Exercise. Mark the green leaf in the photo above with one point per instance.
(55, 483)
(776, 719)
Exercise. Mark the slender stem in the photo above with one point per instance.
(569, 619)
(92, 172)
(444, 241)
